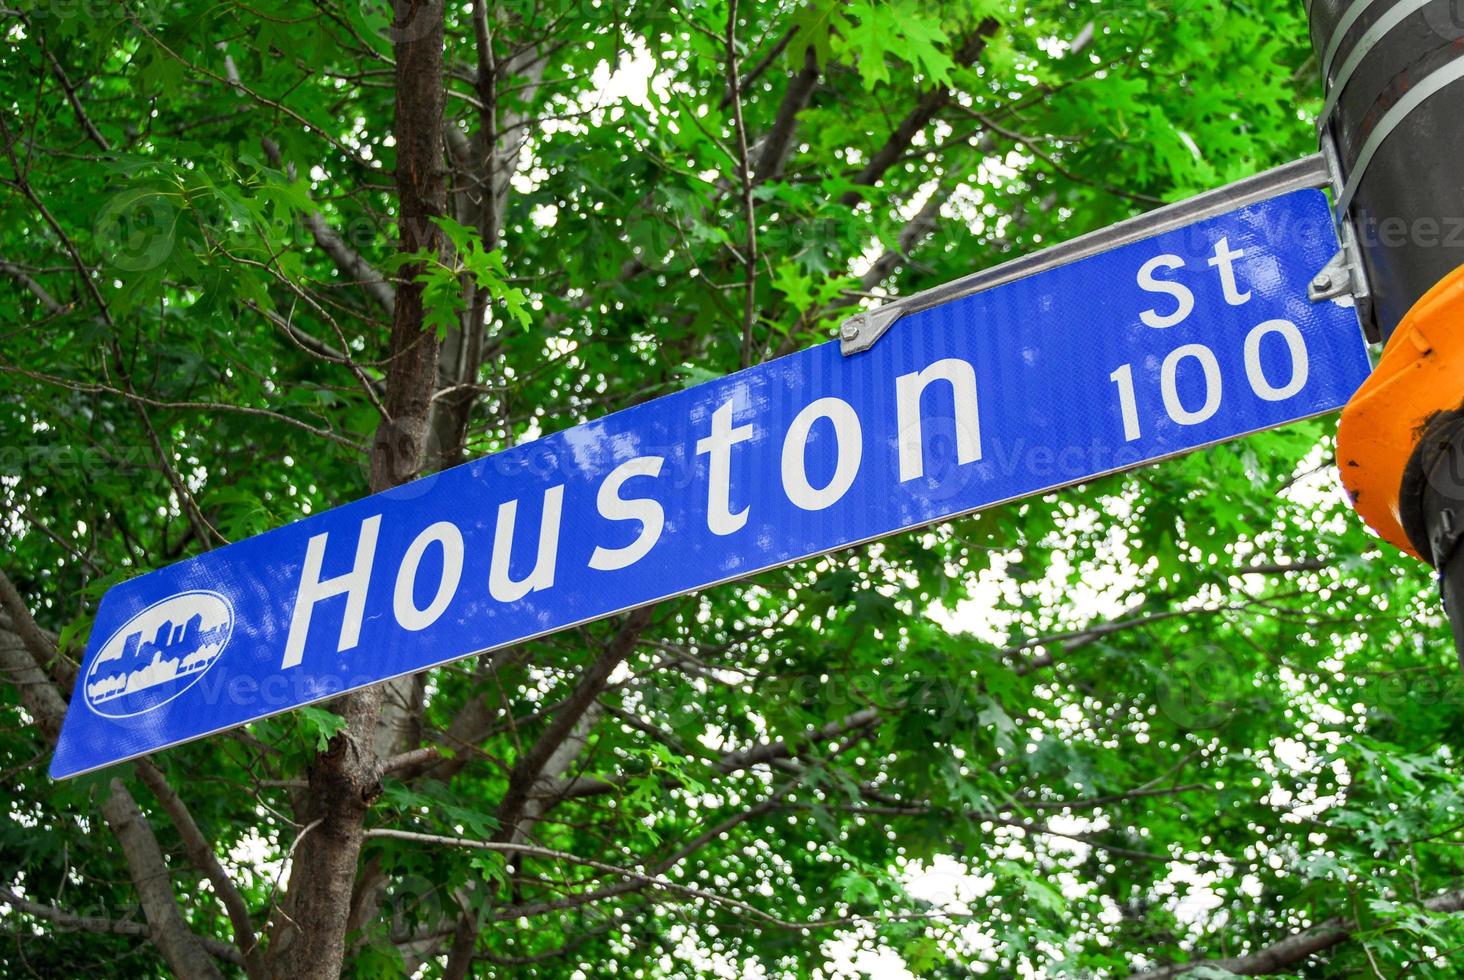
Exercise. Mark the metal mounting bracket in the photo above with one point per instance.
(1333, 281)
(1345, 274)
(860, 331)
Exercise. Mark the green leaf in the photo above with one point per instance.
(321, 724)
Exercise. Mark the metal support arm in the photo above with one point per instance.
(860, 332)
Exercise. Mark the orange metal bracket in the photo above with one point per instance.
(1421, 374)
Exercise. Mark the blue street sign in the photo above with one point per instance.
(1155, 348)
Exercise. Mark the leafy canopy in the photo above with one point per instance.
(1178, 714)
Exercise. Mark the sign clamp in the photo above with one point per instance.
(1344, 275)
(861, 331)
(1420, 93)
(1384, 26)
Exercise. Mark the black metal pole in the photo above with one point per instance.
(1394, 77)
(1408, 209)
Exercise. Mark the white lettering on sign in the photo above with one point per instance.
(501, 585)
(1169, 384)
(1190, 388)
(1128, 403)
(313, 590)
(850, 438)
(961, 376)
(718, 445)
(1300, 363)
(614, 507)
(1179, 291)
(1205, 362)
(614, 504)
(450, 539)
(1224, 260)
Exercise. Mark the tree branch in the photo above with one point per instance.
(915, 231)
(410, 760)
(346, 259)
(22, 663)
(181, 949)
(654, 880)
(633, 877)
(762, 66)
(35, 288)
(1058, 168)
(1077, 639)
(238, 85)
(910, 237)
(104, 926)
(91, 130)
(201, 853)
(916, 120)
(744, 178)
(531, 764)
(779, 138)
(1288, 952)
(767, 753)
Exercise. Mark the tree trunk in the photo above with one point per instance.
(181, 949)
(346, 778)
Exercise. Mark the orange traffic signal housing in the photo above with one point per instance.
(1420, 375)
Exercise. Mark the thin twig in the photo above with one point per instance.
(274, 888)
(654, 881)
(744, 173)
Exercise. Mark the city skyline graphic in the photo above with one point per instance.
(159, 653)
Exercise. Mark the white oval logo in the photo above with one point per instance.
(159, 653)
